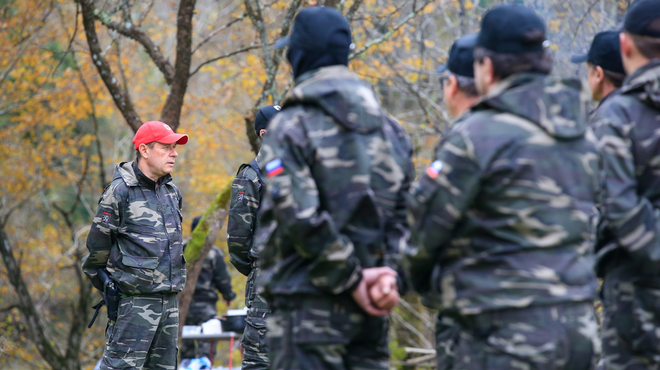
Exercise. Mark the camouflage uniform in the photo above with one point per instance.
(242, 223)
(136, 235)
(504, 224)
(628, 253)
(213, 276)
(333, 206)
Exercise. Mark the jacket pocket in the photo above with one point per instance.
(137, 273)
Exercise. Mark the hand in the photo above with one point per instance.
(361, 293)
(385, 292)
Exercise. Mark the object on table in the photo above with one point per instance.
(212, 326)
(195, 364)
(191, 330)
(234, 320)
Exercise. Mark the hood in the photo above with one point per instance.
(559, 107)
(644, 84)
(341, 94)
(126, 172)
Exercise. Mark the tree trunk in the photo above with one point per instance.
(332, 3)
(199, 246)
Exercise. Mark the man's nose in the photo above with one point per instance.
(174, 153)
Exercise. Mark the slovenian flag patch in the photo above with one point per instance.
(434, 169)
(274, 167)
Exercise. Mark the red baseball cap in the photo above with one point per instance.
(158, 131)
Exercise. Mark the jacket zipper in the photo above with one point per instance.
(169, 246)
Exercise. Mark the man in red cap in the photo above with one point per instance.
(136, 248)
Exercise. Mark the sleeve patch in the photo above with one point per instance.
(434, 169)
(274, 167)
(106, 217)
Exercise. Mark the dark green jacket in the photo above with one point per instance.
(628, 129)
(213, 276)
(136, 234)
(336, 206)
(506, 215)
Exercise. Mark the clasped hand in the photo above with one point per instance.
(377, 292)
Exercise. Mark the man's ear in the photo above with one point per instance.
(143, 151)
(452, 85)
(626, 45)
(489, 75)
(600, 74)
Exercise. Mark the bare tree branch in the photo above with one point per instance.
(122, 101)
(171, 113)
(391, 32)
(353, 9)
(215, 32)
(134, 32)
(35, 327)
(224, 56)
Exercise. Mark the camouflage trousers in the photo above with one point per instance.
(198, 313)
(255, 348)
(563, 336)
(145, 334)
(447, 332)
(326, 332)
(631, 322)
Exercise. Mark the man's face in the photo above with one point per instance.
(595, 80)
(161, 158)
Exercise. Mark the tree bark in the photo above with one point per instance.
(171, 113)
(199, 246)
(121, 99)
(34, 325)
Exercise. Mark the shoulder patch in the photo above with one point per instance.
(434, 169)
(274, 167)
(241, 195)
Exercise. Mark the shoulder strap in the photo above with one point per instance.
(255, 167)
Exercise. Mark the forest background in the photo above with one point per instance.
(77, 77)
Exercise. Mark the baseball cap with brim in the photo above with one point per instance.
(461, 59)
(605, 51)
(158, 131)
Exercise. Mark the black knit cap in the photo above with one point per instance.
(643, 18)
(319, 29)
(605, 52)
(264, 116)
(461, 57)
(512, 29)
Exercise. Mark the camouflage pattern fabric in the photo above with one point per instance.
(627, 131)
(242, 219)
(136, 234)
(244, 205)
(562, 336)
(145, 334)
(628, 253)
(337, 167)
(447, 333)
(630, 335)
(254, 342)
(198, 313)
(505, 217)
(213, 276)
(326, 333)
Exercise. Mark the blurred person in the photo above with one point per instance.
(136, 240)
(460, 93)
(246, 193)
(332, 220)
(213, 277)
(628, 247)
(504, 217)
(605, 72)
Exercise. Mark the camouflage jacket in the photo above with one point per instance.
(242, 220)
(336, 171)
(213, 276)
(136, 234)
(505, 216)
(627, 129)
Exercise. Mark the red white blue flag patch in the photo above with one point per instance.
(274, 167)
(434, 169)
